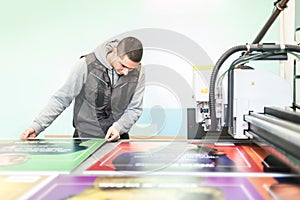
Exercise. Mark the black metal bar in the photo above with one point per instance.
(283, 114)
(265, 130)
(230, 99)
(279, 7)
(296, 106)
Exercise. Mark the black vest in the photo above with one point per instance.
(99, 104)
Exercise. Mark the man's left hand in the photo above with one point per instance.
(112, 134)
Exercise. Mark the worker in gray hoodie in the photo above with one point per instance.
(107, 85)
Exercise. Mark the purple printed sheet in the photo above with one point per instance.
(148, 187)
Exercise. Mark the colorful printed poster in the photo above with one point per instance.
(167, 157)
(148, 187)
(286, 188)
(45, 155)
(269, 160)
(280, 187)
(20, 186)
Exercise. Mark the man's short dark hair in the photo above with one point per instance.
(132, 47)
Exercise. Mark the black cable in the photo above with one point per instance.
(213, 78)
(225, 56)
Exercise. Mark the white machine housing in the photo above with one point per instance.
(201, 94)
(254, 90)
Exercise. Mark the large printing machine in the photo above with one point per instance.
(254, 106)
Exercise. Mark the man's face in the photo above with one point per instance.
(123, 65)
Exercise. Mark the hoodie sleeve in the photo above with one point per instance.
(62, 98)
(134, 109)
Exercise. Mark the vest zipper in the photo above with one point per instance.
(99, 79)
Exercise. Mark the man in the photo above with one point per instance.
(108, 87)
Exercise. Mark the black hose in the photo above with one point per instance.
(290, 47)
(224, 57)
(213, 78)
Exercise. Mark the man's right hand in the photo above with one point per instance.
(28, 133)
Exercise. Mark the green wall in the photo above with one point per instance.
(41, 39)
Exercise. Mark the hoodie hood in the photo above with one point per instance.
(103, 49)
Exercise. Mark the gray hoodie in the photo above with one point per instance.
(73, 86)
